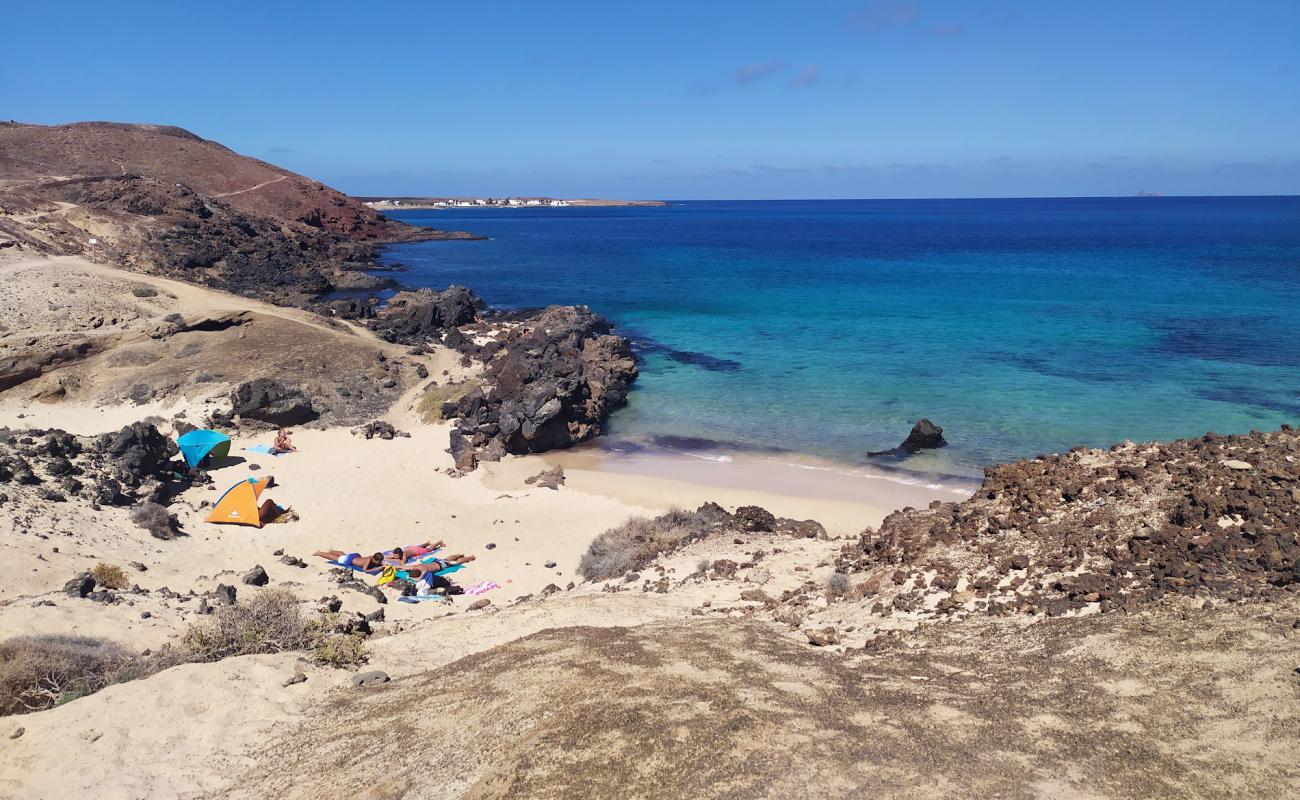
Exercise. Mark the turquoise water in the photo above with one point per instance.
(828, 327)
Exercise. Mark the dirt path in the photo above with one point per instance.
(251, 188)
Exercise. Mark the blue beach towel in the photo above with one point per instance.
(400, 573)
(263, 448)
(418, 599)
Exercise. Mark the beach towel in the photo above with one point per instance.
(481, 587)
(417, 599)
(265, 449)
(349, 566)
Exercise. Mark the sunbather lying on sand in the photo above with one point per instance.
(413, 551)
(372, 563)
(417, 571)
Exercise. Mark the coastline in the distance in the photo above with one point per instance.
(428, 203)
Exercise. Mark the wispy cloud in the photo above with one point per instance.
(881, 15)
(878, 16)
(757, 71)
(807, 76)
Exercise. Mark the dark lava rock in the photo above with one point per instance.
(925, 435)
(225, 594)
(297, 677)
(554, 381)
(373, 677)
(138, 451)
(412, 317)
(381, 430)
(256, 576)
(754, 519)
(268, 400)
(80, 586)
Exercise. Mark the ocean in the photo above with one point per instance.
(827, 328)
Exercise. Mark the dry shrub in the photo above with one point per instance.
(271, 622)
(341, 651)
(39, 672)
(637, 542)
(110, 576)
(156, 519)
(837, 586)
(144, 291)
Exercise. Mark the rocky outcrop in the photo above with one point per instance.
(555, 380)
(267, 400)
(416, 317)
(121, 468)
(1218, 515)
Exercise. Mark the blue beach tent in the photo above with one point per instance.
(195, 445)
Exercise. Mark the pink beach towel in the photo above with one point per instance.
(481, 587)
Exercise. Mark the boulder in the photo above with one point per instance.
(754, 519)
(548, 479)
(372, 677)
(138, 451)
(256, 576)
(225, 594)
(413, 317)
(268, 400)
(80, 586)
(925, 435)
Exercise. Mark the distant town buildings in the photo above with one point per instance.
(470, 202)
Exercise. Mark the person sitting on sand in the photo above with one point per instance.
(283, 444)
(373, 563)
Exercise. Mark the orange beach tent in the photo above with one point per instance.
(238, 506)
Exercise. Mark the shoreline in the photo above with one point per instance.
(383, 204)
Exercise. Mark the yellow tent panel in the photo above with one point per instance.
(238, 506)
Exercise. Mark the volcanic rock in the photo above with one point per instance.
(267, 400)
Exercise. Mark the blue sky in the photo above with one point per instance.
(874, 98)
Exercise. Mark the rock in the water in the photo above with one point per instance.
(225, 594)
(270, 401)
(80, 586)
(256, 576)
(372, 677)
(925, 435)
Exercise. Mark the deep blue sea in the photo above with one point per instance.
(829, 327)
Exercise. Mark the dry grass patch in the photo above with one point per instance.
(430, 407)
(40, 672)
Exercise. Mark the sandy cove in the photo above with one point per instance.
(350, 493)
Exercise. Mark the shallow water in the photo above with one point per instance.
(828, 327)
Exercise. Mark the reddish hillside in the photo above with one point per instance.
(37, 153)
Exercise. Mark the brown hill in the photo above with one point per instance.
(160, 199)
(32, 154)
